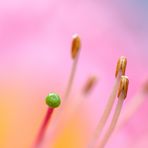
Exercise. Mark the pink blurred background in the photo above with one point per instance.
(35, 40)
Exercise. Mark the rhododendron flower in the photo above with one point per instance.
(35, 44)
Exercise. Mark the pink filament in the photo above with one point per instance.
(43, 127)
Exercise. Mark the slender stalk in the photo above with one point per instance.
(43, 127)
(106, 113)
(113, 123)
(122, 93)
(71, 78)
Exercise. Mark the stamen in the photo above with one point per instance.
(145, 87)
(120, 70)
(53, 101)
(76, 45)
(122, 93)
(89, 84)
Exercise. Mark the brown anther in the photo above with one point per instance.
(76, 45)
(123, 88)
(121, 65)
(145, 87)
(89, 84)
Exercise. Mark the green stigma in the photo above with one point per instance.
(53, 100)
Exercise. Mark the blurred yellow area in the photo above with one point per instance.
(20, 120)
(3, 125)
(72, 136)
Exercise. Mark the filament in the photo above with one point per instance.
(71, 78)
(113, 123)
(122, 93)
(43, 127)
(105, 114)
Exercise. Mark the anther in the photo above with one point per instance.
(76, 45)
(121, 65)
(123, 87)
(89, 84)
